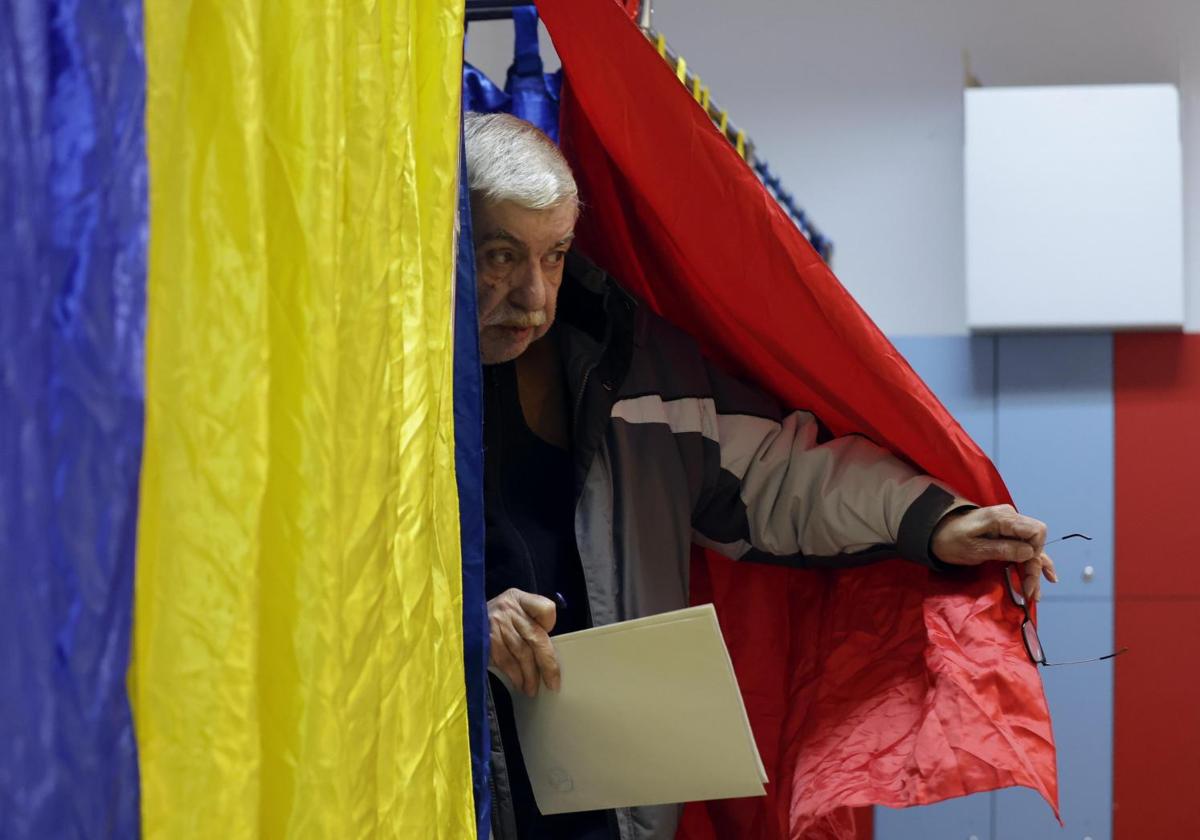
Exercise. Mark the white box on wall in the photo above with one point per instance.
(1074, 208)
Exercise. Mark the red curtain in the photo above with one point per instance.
(887, 684)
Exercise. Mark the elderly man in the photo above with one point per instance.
(612, 445)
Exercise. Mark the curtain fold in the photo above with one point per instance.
(298, 658)
(468, 433)
(72, 319)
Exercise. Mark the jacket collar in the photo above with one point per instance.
(597, 327)
(591, 301)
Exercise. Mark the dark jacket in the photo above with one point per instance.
(670, 451)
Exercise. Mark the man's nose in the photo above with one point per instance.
(530, 292)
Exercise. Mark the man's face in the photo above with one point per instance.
(519, 257)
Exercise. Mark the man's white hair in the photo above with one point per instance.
(509, 159)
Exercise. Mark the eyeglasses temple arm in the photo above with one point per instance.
(1084, 661)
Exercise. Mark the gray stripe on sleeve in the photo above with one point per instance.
(843, 496)
(686, 414)
(781, 492)
(732, 550)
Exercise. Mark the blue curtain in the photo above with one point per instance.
(72, 317)
(468, 457)
(528, 93)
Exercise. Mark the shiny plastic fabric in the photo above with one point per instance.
(887, 684)
(468, 457)
(298, 651)
(72, 320)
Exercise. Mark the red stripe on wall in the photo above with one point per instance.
(1156, 739)
(864, 824)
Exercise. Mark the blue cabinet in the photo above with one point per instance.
(967, 818)
(961, 372)
(1041, 407)
(1054, 421)
(1081, 707)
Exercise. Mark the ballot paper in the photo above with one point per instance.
(649, 713)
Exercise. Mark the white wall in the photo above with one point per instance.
(858, 106)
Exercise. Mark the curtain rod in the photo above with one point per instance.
(492, 9)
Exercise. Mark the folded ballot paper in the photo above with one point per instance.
(649, 713)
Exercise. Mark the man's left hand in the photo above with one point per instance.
(996, 533)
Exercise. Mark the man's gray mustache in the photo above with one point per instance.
(517, 319)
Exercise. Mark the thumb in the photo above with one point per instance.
(542, 610)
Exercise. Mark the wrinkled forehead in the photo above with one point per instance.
(523, 227)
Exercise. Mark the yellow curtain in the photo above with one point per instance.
(298, 630)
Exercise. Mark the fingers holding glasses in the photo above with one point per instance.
(996, 533)
(981, 535)
(1049, 571)
(1032, 572)
(999, 534)
(1003, 522)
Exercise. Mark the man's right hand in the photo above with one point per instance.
(520, 624)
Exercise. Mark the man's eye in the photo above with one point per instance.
(501, 257)
(555, 257)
